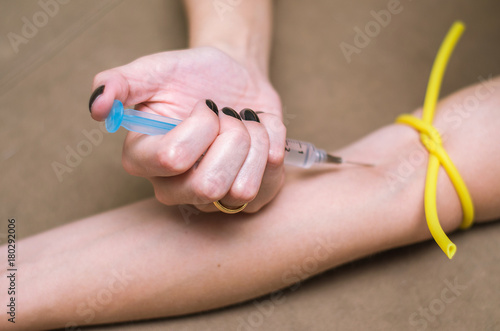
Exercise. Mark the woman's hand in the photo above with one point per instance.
(244, 157)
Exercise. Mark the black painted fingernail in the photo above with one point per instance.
(249, 115)
(97, 92)
(230, 112)
(212, 106)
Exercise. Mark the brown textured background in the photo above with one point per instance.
(44, 91)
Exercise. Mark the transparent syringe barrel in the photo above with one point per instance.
(147, 123)
(302, 154)
(297, 153)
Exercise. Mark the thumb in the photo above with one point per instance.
(108, 86)
(136, 82)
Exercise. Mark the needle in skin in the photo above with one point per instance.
(339, 160)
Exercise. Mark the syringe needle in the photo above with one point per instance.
(360, 163)
(339, 160)
(298, 153)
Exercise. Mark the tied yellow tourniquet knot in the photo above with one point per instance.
(431, 139)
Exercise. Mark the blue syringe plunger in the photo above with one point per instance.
(138, 121)
(115, 117)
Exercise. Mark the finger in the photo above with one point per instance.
(132, 83)
(108, 86)
(248, 181)
(277, 137)
(274, 173)
(215, 174)
(175, 152)
(213, 177)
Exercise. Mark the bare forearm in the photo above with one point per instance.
(147, 260)
(240, 28)
(144, 261)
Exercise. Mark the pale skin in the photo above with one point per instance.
(227, 62)
(146, 260)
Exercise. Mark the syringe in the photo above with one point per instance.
(297, 153)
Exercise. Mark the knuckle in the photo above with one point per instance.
(244, 193)
(277, 134)
(276, 157)
(209, 190)
(172, 159)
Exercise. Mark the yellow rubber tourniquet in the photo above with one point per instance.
(432, 141)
